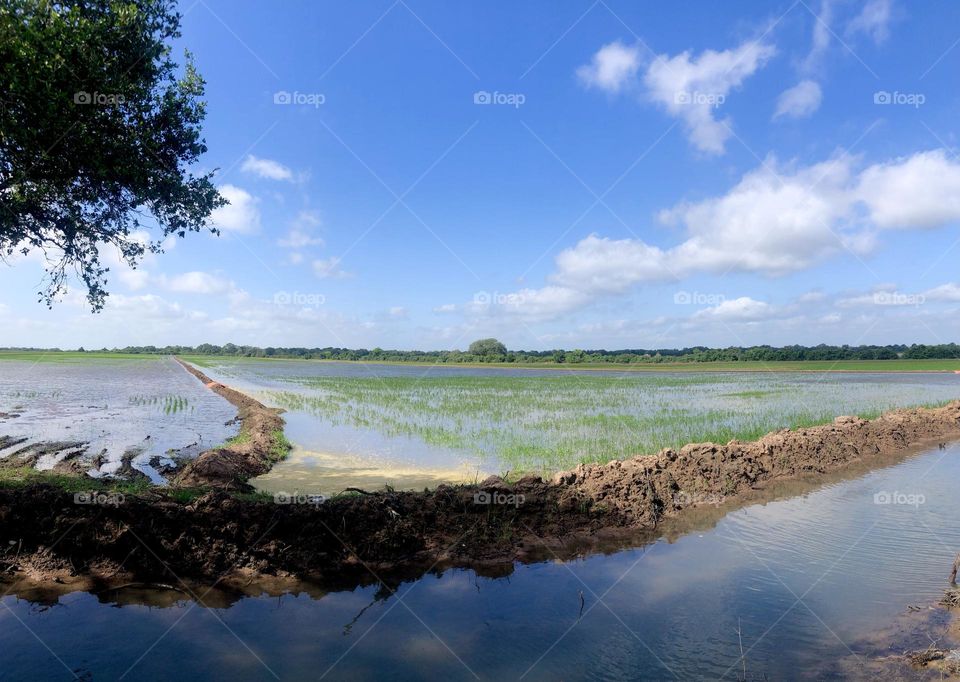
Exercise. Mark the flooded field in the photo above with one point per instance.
(366, 425)
(147, 409)
(805, 583)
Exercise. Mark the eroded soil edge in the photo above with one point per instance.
(44, 535)
(257, 447)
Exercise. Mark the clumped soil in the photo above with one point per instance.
(252, 453)
(161, 535)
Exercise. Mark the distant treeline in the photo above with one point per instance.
(626, 356)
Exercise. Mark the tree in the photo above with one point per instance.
(486, 348)
(97, 130)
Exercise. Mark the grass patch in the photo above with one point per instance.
(241, 438)
(280, 446)
(21, 477)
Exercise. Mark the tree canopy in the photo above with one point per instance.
(98, 127)
(487, 347)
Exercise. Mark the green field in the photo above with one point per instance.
(798, 366)
(805, 366)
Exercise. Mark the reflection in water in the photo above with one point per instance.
(807, 580)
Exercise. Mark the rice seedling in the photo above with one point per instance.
(543, 424)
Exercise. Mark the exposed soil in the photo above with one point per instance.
(252, 453)
(45, 534)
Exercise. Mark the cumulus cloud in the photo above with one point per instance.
(266, 168)
(613, 66)
(241, 215)
(693, 88)
(776, 220)
(800, 101)
(397, 312)
(737, 309)
(920, 191)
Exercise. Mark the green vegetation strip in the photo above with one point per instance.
(543, 424)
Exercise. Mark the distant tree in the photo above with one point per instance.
(486, 348)
(97, 130)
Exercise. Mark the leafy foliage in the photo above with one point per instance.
(97, 130)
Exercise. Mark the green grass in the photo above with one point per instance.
(19, 477)
(280, 446)
(240, 439)
(71, 356)
(541, 424)
(749, 366)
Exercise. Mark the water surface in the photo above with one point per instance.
(807, 581)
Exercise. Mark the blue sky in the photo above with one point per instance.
(419, 174)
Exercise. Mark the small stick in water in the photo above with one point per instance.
(581, 605)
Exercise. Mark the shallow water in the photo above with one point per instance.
(151, 405)
(806, 580)
(367, 425)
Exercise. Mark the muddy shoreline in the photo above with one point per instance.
(46, 536)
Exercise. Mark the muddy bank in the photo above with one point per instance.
(45, 534)
(258, 446)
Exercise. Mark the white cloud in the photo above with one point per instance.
(692, 89)
(197, 282)
(301, 231)
(241, 215)
(945, 292)
(922, 191)
(611, 68)
(873, 20)
(737, 309)
(398, 312)
(776, 220)
(329, 268)
(799, 101)
(266, 168)
(446, 308)
(821, 37)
